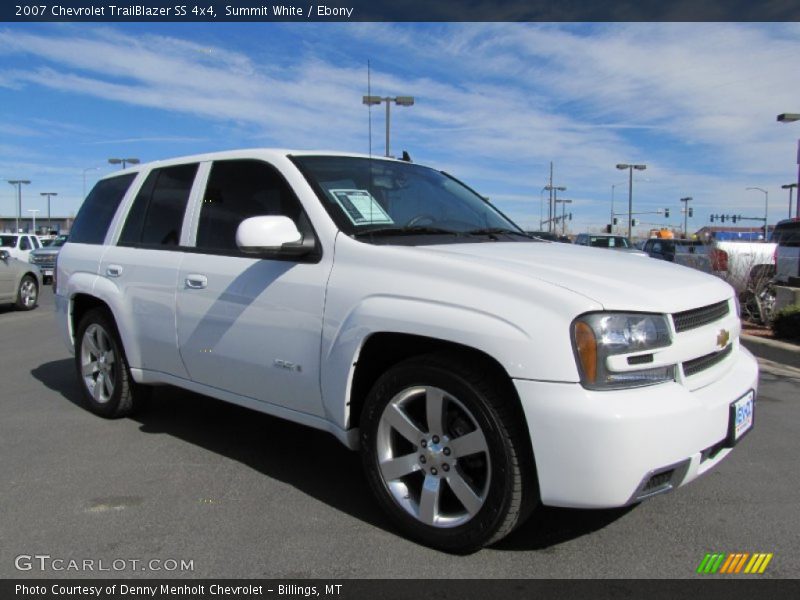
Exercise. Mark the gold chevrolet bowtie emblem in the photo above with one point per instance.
(722, 338)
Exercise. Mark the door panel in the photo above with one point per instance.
(255, 328)
(145, 279)
(251, 326)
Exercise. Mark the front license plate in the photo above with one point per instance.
(741, 417)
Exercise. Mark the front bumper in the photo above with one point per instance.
(600, 449)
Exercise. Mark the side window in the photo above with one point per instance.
(36, 244)
(157, 213)
(238, 190)
(657, 247)
(24, 243)
(95, 215)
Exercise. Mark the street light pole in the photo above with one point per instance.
(399, 100)
(541, 202)
(48, 194)
(19, 183)
(686, 215)
(553, 189)
(790, 187)
(791, 118)
(563, 203)
(766, 209)
(33, 211)
(630, 167)
(613, 188)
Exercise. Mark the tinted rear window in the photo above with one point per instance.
(97, 211)
(156, 216)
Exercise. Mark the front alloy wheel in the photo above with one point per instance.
(446, 452)
(27, 294)
(440, 473)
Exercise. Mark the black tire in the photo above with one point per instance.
(27, 293)
(97, 336)
(473, 393)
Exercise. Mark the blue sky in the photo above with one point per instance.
(495, 103)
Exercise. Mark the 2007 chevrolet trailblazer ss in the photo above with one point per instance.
(482, 373)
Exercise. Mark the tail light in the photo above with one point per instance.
(719, 259)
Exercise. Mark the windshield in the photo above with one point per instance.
(58, 242)
(365, 195)
(611, 241)
(8, 241)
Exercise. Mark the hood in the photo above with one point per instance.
(617, 280)
(46, 250)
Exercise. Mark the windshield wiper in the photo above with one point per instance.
(421, 230)
(496, 231)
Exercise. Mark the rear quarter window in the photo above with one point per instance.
(97, 211)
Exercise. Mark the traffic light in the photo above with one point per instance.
(614, 222)
(733, 218)
(722, 218)
(691, 212)
(712, 217)
(634, 222)
(666, 213)
(608, 228)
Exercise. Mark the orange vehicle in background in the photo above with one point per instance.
(662, 234)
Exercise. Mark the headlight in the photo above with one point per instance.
(597, 336)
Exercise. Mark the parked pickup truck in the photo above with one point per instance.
(747, 266)
(689, 253)
(481, 372)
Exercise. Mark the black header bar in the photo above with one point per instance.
(400, 10)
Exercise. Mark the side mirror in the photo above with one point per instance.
(4, 255)
(272, 235)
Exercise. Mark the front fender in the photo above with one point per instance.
(485, 332)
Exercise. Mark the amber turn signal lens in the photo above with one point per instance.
(586, 344)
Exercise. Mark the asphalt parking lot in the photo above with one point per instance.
(245, 495)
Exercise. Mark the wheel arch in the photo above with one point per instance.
(382, 350)
(83, 302)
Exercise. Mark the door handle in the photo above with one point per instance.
(196, 282)
(113, 270)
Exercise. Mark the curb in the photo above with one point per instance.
(780, 352)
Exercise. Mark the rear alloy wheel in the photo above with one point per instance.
(27, 293)
(102, 368)
(445, 456)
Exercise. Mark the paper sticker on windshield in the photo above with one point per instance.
(360, 207)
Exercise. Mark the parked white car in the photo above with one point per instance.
(19, 245)
(747, 266)
(481, 372)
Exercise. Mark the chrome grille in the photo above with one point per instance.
(696, 365)
(697, 317)
(46, 259)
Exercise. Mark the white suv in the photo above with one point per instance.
(19, 245)
(482, 373)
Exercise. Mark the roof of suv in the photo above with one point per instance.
(265, 153)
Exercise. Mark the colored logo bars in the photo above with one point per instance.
(741, 562)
